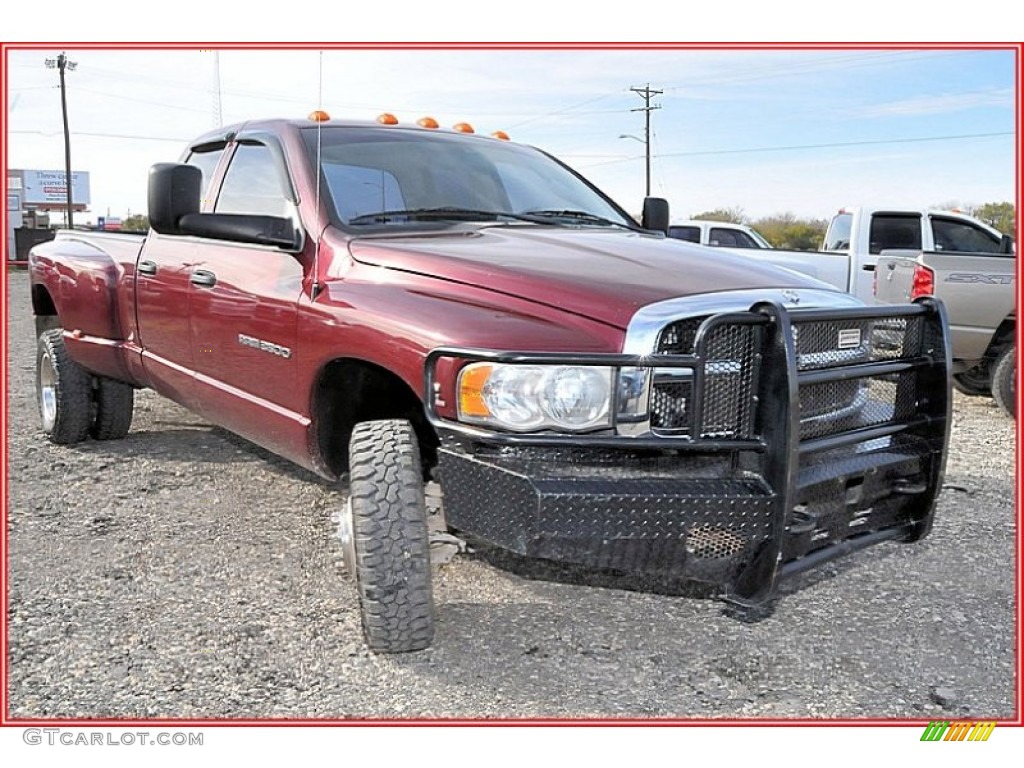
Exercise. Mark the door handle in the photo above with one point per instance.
(203, 278)
(147, 268)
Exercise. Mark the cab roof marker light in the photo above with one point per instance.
(427, 122)
(500, 135)
(387, 118)
(319, 116)
(463, 128)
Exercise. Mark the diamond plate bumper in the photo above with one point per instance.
(740, 510)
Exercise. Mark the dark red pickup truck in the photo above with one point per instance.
(398, 304)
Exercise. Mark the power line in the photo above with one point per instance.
(47, 134)
(142, 101)
(563, 110)
(283, 99)
(912, 140)
(816, 65)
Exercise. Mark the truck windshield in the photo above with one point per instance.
(375, 177)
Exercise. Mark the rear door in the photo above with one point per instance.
(162, 291)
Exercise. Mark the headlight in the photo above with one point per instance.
(523, 398)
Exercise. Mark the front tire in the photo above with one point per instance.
(388, 528)
(63, 390)
(1004, 381)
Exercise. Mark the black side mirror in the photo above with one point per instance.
(242, 228)
(174, 191)
(655, 216)
(1006, 244)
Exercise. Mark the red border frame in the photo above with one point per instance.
(7, 721)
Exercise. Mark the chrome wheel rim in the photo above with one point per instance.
(347, 538)
(47, 391)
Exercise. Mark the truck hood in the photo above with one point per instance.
(601, 274)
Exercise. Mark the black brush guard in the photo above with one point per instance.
(788, 486)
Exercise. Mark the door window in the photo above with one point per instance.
(690, 234)
(955, 235)
(252, 184)
(732, 238)
(891, 230)
(206, 161)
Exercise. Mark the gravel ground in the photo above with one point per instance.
(183, 572)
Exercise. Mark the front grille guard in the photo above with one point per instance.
(775, 432)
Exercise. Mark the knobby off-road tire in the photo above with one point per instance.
(389, 531)
(1004, 381)
(63, 391)
(115, 404)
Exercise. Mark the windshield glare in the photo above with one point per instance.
(368, 171)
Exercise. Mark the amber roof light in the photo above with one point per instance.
(319, 116)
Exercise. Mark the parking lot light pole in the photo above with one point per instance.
(61, 63)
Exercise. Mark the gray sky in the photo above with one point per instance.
(765, 131)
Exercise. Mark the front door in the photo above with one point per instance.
(244, 312)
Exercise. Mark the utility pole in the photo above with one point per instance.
(61, 63)
(646, 93)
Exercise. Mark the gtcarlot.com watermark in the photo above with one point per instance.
(61, 737)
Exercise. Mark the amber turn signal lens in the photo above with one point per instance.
(427, 122)
(319, 116)
(471, 390)
(463, 128)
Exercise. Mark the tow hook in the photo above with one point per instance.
(906, 486)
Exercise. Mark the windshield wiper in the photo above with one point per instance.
(427, 214)
(578, 216)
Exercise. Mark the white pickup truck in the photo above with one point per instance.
(857, 236)
(719, 234)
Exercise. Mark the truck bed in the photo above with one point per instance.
(831, 268)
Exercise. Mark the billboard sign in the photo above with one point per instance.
(49, 188)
